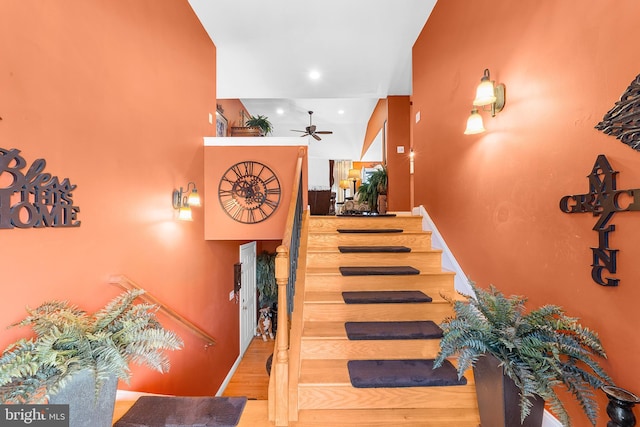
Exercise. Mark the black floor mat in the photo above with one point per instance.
(402, 373)
(384, 297)
(406, 330)
(161, 411)
(399, 270)
(373, 249)
(370, 230)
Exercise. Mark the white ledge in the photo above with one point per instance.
(265, 141)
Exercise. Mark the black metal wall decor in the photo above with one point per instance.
(623, 120)
(33, 198)
(603, 200)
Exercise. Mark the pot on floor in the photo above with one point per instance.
(499, 397)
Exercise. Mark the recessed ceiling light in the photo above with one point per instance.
(280, 111)
(340, 111)
(314, 75)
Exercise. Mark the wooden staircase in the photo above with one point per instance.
(322, 394)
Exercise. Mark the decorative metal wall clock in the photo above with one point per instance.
(249, 192)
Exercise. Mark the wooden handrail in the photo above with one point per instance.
(279, 380)
(125, 283)
(291, 213)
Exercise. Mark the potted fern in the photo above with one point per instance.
(266, 279)
(374, 191)
(72, 348)
(261, 122)
(533, 353)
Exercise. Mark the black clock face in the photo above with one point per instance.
(249, 192)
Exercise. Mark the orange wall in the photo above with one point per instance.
(398, 134)
(116, 96)
(376, 122)
(232, 112)
(280, 159)
(395, 112)
(495, 196)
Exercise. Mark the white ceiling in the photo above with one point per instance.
(361, 48)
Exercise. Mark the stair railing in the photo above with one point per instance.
(127, 284)
(285, 270)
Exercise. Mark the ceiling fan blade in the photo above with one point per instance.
(304, 134)
(324, 132)
(294, 130)
(316, 137)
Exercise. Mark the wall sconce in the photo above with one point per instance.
(354, 175)
(344, 184)
(489, 94)
(184, 201)
(412, 156)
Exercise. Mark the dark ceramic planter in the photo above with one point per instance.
(84, 408)
(620, 407)
(498, 397)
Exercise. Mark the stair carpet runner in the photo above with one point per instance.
(391, 373)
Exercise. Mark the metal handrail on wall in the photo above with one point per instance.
(286, 265)
(125, 283)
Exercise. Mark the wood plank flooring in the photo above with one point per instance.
(251, 378)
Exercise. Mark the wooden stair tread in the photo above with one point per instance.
(324, 330)
(335, 297)
(374, 249)
(405, 417)
(369, 230)
(335, 372)
(374, 270)
(334, 271)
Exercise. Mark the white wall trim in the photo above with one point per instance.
(449, 262)
(232, 371)
(549, 420)
(262, 141)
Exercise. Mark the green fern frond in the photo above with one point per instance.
(540, 350)
(69, 340)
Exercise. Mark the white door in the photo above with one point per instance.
(247, 295)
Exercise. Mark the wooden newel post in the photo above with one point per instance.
(282, 340)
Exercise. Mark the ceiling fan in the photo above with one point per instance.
(311, 130)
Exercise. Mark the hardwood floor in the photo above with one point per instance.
(251, 378)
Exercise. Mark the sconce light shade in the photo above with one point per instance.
(488, 93)
(485, 93)
(474, 123)
(354, 174)
(194, 197)
(185, 214)
(183, 202)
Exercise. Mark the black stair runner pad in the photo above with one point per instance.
(402, 373)
(367, 214)
(370, 230)
(407, 330)
(372, 249)
(161, 411)
(398, 270)
(384, 297)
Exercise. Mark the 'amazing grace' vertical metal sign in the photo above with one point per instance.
(603, 200)
(33, 198)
